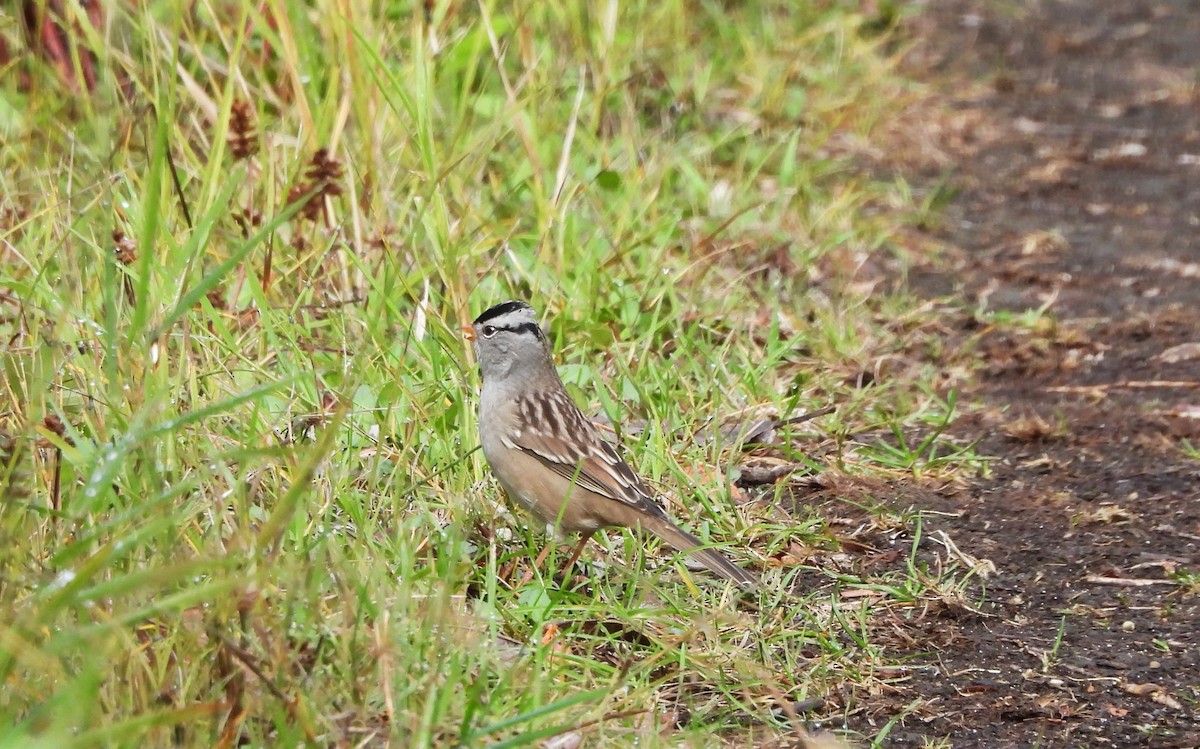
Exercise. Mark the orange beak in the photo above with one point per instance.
(468, 332)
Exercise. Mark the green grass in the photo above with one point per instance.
(240, 498)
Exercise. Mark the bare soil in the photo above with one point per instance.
(1070, 133)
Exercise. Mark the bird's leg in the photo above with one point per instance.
(575, 554)
(537, 563)
(562, 571)
(541, 558)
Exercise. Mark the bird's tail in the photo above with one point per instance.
(710, 558)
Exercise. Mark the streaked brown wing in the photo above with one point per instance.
(546, 418)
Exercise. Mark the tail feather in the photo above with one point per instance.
(710, 558)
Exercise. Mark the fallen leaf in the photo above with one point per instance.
(570, 740)
(1109, 514)
(1032, 428)
(1188, 411)
(1182, 352)
(1123, 153)
(1154, 692)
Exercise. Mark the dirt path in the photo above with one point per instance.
(1074, 145)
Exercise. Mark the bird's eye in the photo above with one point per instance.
(488, 331)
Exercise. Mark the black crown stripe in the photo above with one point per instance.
(527, 327)
(498, 310)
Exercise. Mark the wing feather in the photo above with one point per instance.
(556, 432)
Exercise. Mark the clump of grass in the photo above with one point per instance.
(234, 275)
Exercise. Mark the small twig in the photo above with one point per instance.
(235, 690)
(265, 281)
(1127, 385)
(806, 417)
(56, 485)
(248, 660)
(984, 568)
(334, 304)
(603, 719)
(564, 162)
(54, 425)
(249, 663)
(1126, 582)
(178, 186)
